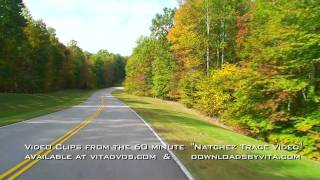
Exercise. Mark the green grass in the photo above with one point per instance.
(19, 107)
(179, 125)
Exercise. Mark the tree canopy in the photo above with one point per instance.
(253, 64)
(33, 60)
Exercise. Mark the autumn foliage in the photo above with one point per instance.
(263, 60)
(33, 60)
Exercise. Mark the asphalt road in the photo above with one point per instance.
(101, 120)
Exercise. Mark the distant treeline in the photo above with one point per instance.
(33, 60)
(253, 64)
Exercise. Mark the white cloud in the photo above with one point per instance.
(114, 25)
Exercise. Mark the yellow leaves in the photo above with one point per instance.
(186, 37)
(215, 91)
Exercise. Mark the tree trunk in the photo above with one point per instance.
(208, 36)
(222, 48)
(313, 74)
(218, 57)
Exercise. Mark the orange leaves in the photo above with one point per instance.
(186, 36)
(243, 26)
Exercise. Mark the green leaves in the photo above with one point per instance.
(33, 60)
(263, 58)
(162, 23)
(163, 71)
(150, 70)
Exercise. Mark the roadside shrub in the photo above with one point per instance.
(215, 92)
(163, 71)
(188, 88)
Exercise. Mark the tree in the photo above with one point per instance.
(253, 64)
(39, 57)
(161, 24)
(12, 43)
(188, 38)
(283, 51)
(163, 71)
(108, 68)
(33, 60)
(78, 60)
(56, 75)
(139, 67)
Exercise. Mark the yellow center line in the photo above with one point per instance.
(60, 140)
(40, 151)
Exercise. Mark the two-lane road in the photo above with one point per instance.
(101, 120)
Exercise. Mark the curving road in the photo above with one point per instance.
(101, 120)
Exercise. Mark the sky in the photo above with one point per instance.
(114, 25)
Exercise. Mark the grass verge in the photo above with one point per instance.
(19, 107)
(179, 125)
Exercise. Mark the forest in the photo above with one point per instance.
(253, 65)
(32, 59)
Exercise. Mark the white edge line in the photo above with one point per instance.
(179, 163)
(174, 157)
(108, 106)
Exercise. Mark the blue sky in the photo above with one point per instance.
(114, 25)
